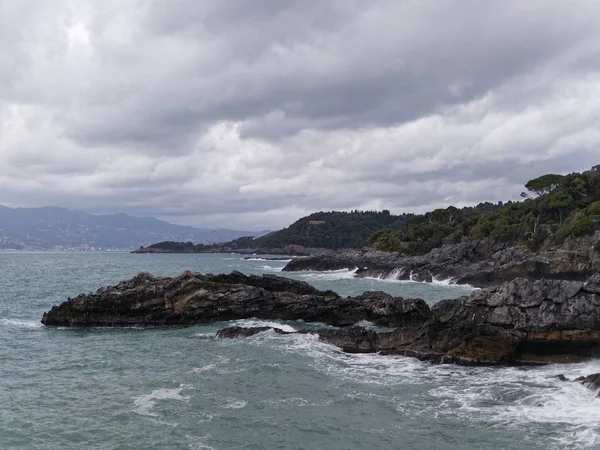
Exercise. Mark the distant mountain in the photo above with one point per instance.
(52, 227)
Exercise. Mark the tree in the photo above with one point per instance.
(544, 185)
(581, 224)
(560, 203)
(579, 187)
(596, 168)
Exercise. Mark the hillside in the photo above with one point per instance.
(554, 208)
(332, 230)
(53, 227)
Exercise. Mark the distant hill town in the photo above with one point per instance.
(61, 229)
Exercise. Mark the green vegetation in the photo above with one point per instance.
(179, 247)
(563, 206)
(333, 230)
(555, 208)
(543, 185)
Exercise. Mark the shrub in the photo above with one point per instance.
(582, 225)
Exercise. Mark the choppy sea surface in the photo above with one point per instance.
(180, 388)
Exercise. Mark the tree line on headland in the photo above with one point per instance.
(553, 208)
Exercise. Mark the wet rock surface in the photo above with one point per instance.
(239, 332)
(479, 263)
(591, 381)
(519, 322)
(191, 299)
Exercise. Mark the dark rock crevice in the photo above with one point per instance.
(518, 322)
(479, 263)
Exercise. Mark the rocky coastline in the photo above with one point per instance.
(521, 321)
(479, 263)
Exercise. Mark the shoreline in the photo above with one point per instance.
(480, 263)
(519, 322)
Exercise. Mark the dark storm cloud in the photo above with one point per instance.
(252, 113)
(353, 65)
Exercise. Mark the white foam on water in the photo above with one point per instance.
(395, 277)
(308, 344)
(447, 282)
(198, 443)
(295, 402)
(271, 268)
(16, 323)
(361, 368)
(213, 366)
(513, 398)
(144, 404)
(206, 368)
(248, 323)
(266, 259)
(205, 335)
(233, 403)
(379, 370)
(342, 274)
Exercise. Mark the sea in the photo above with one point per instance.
(180, 388)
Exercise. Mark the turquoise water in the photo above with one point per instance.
(182, 389)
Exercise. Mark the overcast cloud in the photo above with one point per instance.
(253, 113)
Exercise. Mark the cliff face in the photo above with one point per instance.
(480, 263)
(518, 322)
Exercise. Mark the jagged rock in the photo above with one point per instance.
(238, 332)
(518, 322)
(146, 300)
(480, 263)
(560, 377)
(593, 284)
(591, 381)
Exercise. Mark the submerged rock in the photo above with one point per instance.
(519, 322)
(238, 332)
(591, 381)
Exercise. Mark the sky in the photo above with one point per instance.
(250, 114)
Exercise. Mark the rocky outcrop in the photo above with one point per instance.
(519, 322)
(194, 298)
(239, 332)
(591, 381)
(479, 263)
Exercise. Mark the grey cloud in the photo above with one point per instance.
(263, 110)
(332, 65)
